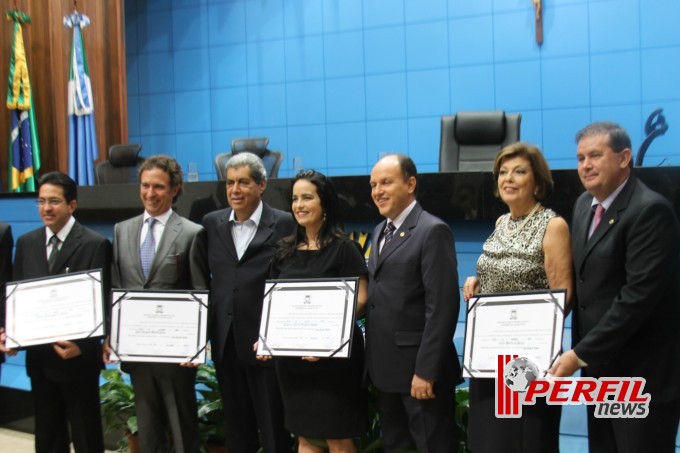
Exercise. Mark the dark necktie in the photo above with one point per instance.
(54, 242)
(148, 249)
(389, 232)
(599, 210)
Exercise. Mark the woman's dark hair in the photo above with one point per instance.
(332, 225)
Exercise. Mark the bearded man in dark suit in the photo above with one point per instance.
(626, 248)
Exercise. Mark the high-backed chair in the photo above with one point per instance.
(121, 166)
(471, 140)
(270, 158)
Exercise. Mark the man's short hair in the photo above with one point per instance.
(57, 178)
(250, 160)
(618, 137)
(167, 164)
(408, 167)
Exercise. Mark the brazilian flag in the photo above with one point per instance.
(24, 151)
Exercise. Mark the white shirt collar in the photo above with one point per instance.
(607, 202)
(162, 219)
(255, 217)
(63, 233)
(398, 220)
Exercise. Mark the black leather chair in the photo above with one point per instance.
(121, 167)
(471, 140)
(258, 146)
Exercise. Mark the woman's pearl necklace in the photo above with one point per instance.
(509, 232)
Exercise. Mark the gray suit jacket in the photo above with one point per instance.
(413, 303)
(180, 261)
(179, 264)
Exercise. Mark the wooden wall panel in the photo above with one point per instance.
(48, 43)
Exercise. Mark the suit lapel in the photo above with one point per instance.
(375, 246)
(610, 217)
(400, 237)
(172, 230)
(582, 219)
(68, 248)
(224, 233)
(40, 247)
(264, 231)
(134, 233)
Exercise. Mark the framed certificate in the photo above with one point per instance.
(308, 317)
(529, 324)
(159, 326)
(62, 307)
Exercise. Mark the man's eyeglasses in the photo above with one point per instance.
(49, 201)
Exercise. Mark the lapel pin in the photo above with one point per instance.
(401, 234)
(611, 221)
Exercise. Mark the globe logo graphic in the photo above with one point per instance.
(518, 374)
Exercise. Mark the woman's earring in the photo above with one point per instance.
(324, 216)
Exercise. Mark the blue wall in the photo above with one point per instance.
(337, 82)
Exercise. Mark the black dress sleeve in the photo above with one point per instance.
(353, 263)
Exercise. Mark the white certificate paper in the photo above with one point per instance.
(63, 307)
(308, 317)
(159, 326)
(529, 324)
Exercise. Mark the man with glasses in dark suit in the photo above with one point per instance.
(65, 374)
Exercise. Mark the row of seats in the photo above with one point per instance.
(469, 142)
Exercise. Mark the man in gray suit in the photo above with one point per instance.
(162, 251)
(411, 314)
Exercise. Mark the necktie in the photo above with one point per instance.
(389, 232)
(596, 218)
(54, 242)
(148, 249)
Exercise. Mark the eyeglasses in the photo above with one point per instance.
(49, 201)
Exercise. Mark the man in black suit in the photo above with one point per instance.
(241, 243)
(6, 245)
(165, 394)
(64, 375)
(412, 310)
(626, 245)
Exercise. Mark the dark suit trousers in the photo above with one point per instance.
(165, 394)
(427, 425)
(631, 435)
(59, 405)
(251, 399)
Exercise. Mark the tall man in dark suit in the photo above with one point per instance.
(6, 246)
(412, 311)
(241, 243)
(626, 245)
(162, 251)
(64, 375)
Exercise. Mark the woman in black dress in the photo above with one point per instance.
(323, 398)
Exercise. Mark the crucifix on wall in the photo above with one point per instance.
(538, 7)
